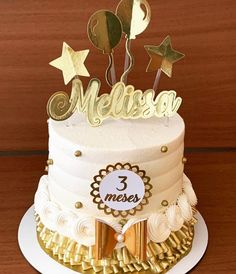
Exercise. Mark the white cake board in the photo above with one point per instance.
(33, 253)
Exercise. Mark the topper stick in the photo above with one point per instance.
(126, 65)
(157, 80)
(131, 61)
(113, 73)
(108, 70)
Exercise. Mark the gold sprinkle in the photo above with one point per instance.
(50, 161)
(78, 205)
(164, 203)
(46, 168)
(78, 153)
(184, 160)
(164, 149)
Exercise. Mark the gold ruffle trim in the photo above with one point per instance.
(160, 256)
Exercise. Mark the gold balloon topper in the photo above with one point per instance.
(135, 16)
(105, 30)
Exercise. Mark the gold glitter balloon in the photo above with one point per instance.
(104, 31)
(135, 15)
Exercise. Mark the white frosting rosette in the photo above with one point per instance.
(188, 190)
(185, 207)
(83, 230)
(157, 228)
(174, 217)
(64, 222)
(49, 215)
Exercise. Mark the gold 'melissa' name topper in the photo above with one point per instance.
(123, 102)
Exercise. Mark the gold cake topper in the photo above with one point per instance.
(135, 16)
(104, 31)
(71, 63)
(124, 101)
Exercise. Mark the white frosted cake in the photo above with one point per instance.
(115, 198)
(77, 152)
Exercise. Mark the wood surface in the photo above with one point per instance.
(31, 35)
(213, 176)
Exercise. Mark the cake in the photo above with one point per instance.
(115, 197)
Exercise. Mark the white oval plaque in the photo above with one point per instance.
(122, 190)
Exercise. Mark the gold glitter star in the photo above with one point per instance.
(71, 63)
(163, 57)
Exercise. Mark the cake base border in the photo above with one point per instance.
(27, 238)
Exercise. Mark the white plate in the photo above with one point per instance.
(33, 253)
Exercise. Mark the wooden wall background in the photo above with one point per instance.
(31, 35)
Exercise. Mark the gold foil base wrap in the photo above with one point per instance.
(160, 256)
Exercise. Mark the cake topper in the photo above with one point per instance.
(104, 31)
(124, 101)
(71, 63)
(135, 16)
(162, 58)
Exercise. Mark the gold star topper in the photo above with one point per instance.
(163, 57)
(71, 63)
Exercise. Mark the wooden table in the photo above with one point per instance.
(213, 176)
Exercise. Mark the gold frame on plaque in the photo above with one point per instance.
(119, 166)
